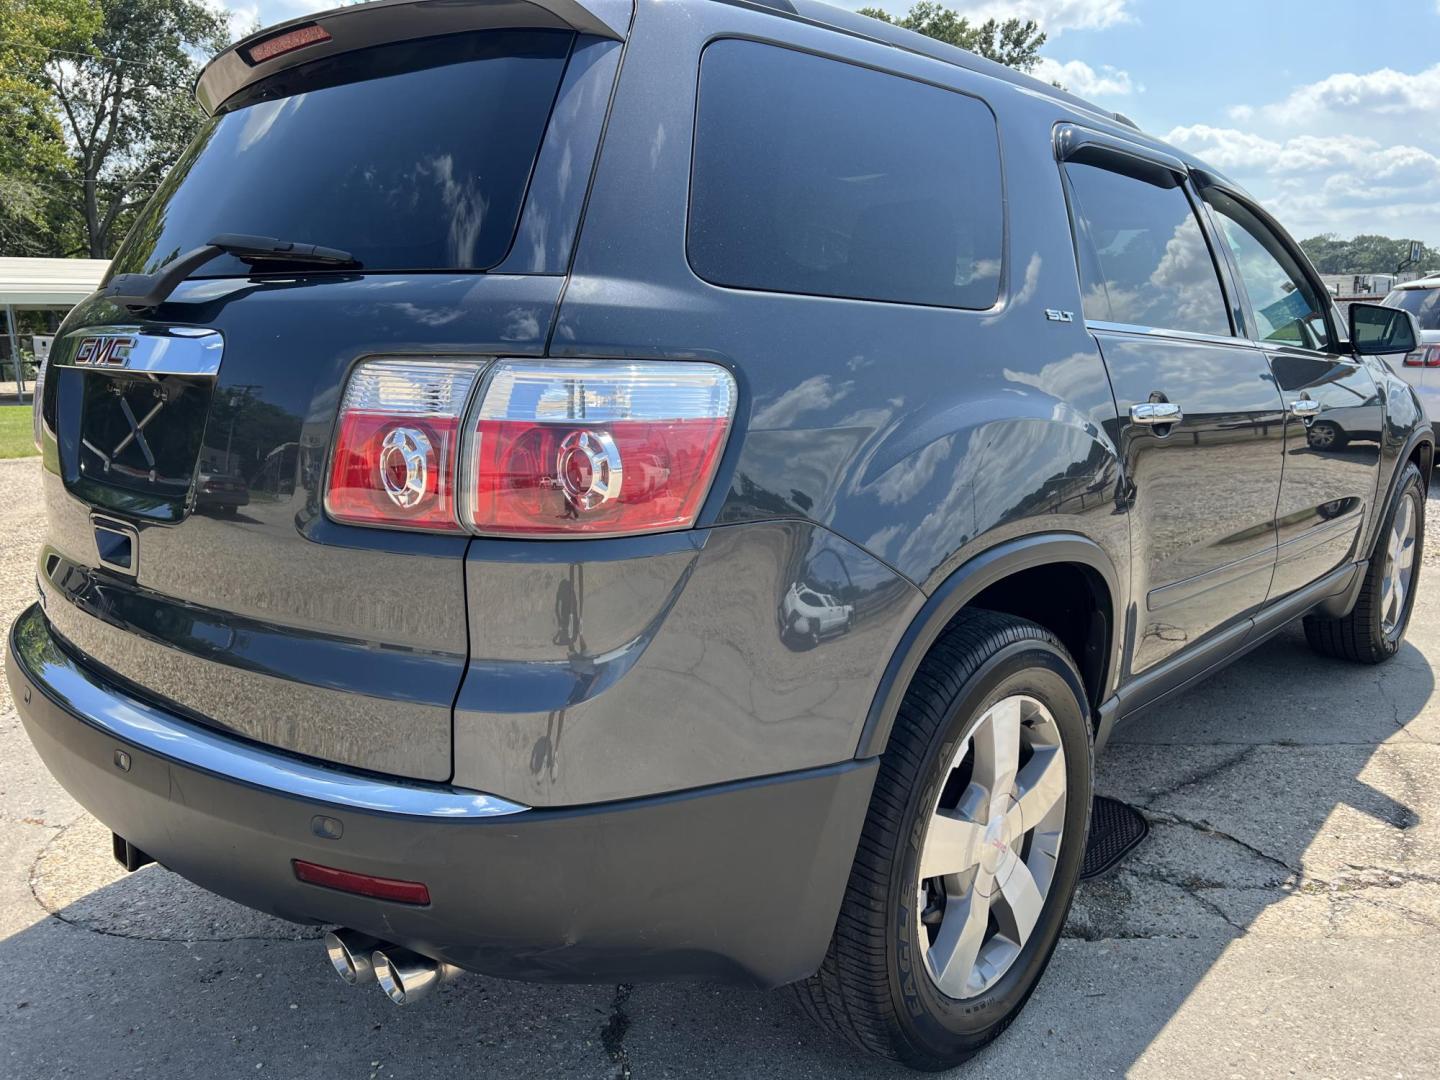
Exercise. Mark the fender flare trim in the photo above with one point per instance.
(1423, 433)
(957, 590)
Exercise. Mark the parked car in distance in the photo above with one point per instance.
(563, 389)
(221, 491)
(1421, 367)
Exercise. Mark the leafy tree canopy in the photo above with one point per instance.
(101, 93)
(1014, 42)
(1365, 254)
(33, 156)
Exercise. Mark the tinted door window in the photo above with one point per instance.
(1286, 306)
(412, 156)
(815, 176)
(1424, 304)
(1143, 256)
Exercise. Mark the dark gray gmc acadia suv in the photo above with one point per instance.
(688, 488)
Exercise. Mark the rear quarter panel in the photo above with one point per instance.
(924, 435)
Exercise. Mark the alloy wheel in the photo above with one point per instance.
(1399, 564)
(990, 850)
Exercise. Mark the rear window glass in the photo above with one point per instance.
(412, 156)
(819, 177)
(1424, 304)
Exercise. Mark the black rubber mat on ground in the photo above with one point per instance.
(1115, 830)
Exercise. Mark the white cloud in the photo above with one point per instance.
(1345, 183)
(1054, 16)
(242, 17)
(1349, 153)
(1080, 78)
(1231, 149)
(1383, 92)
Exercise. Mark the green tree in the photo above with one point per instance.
(118, 84)
(1013, 42)
(1367, 253)
(34, 161)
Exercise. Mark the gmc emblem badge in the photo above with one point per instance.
(107, 350)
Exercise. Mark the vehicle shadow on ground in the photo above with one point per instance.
(149, 974)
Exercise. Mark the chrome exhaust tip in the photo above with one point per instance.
(350, 953)
(406, 976)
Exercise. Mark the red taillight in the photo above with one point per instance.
(398, 443)
(1425, 356)
(632, 476)
(402, 892)
(594, 448)
(289, 41)
(551, 448)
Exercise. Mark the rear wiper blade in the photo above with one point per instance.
(149, 290)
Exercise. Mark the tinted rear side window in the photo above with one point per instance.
(1143, 257)
(412, 156)
(815, 176)
(1424, 304)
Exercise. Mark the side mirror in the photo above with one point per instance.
(1376, 330)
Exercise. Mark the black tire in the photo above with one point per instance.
(873, 988)
(1362, 636)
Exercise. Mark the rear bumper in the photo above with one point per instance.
(740, 882)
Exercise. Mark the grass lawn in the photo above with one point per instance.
(16, 434)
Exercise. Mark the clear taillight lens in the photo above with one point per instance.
(397, 445)
(603, 448)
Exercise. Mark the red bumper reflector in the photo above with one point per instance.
(402, 892)
(289, 41)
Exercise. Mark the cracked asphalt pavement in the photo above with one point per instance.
(1282, 919)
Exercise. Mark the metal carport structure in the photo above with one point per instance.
(42, 285)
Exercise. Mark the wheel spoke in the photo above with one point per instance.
(997, 748)
(1406, 558)
(1040, 785)
(957, 946)
(1023, 898)
(1402, 522)
(952, 845)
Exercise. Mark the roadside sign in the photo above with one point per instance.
(40, 344)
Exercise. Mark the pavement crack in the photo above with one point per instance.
(1393, 878)
(1204, 775)
(1197, 891)
(1208, 829)
(612, 1032)
(1381, 689)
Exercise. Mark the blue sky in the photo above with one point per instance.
(1327, 110)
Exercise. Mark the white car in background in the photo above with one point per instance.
(1421, 368)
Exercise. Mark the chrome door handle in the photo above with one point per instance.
(1305, 408)
(1154, 413)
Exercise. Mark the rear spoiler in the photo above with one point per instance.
(381, 22)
